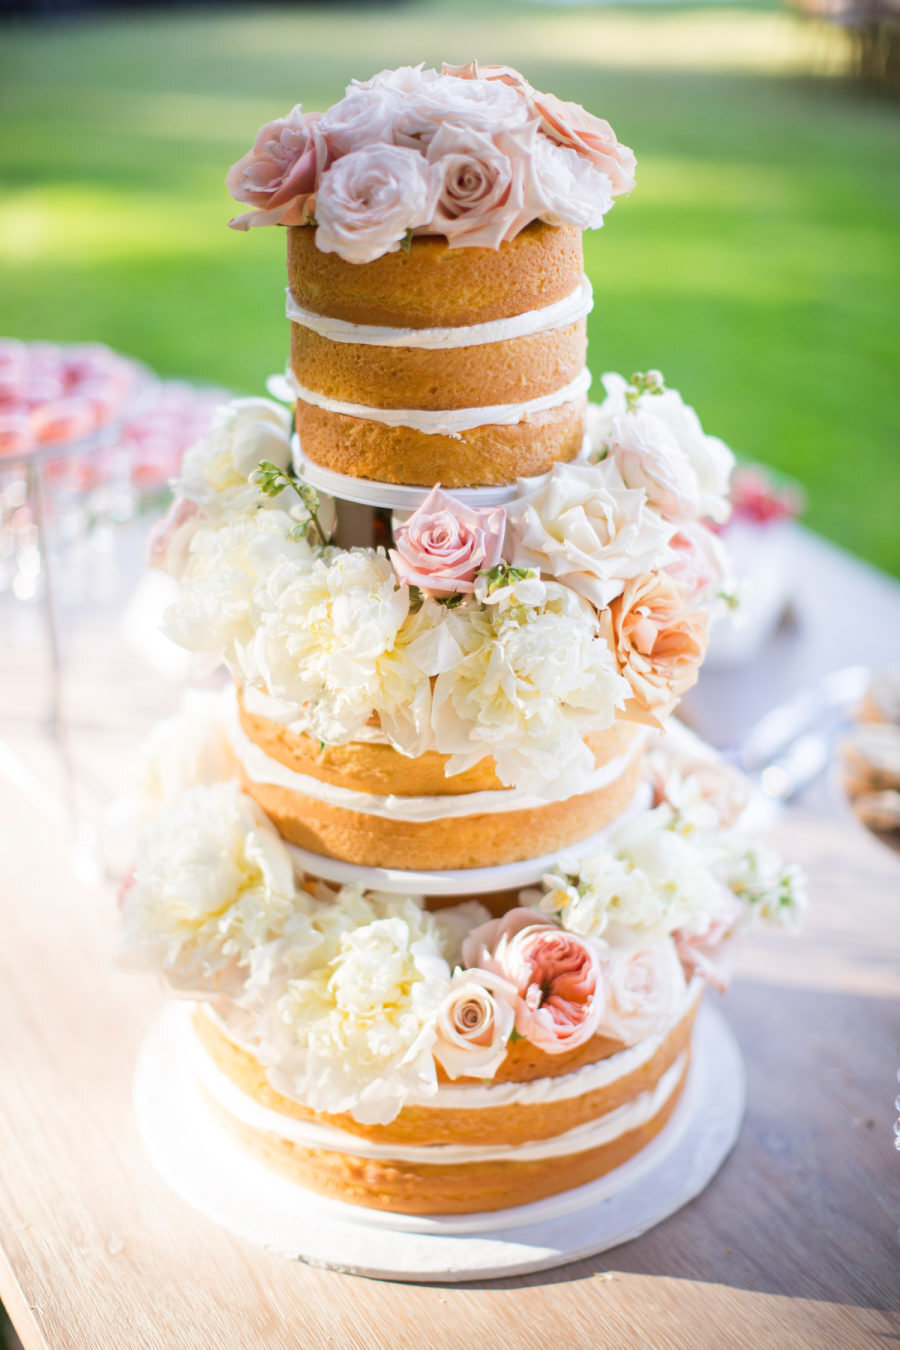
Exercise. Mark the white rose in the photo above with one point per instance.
(368, 200)
(648, 456)
(360, 119)
(212, 880)
(582, 525)
(644, 991)
(474, 1023)
(216, 473)
(567, 186)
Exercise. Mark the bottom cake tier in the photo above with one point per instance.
(471, 1148)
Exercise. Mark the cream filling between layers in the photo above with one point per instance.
(445, 421)
(560, 314)
(261, 768)
(308, 1134)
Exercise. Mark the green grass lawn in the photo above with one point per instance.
(756, 263)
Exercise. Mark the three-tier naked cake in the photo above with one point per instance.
(443, 887)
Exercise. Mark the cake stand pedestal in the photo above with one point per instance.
(213, 1174)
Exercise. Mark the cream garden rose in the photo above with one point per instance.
(643, 992)
(369, 199)
(474, 1023)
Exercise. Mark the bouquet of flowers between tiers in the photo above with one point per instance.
(473, 153)
(360, 1002)
(512, 632)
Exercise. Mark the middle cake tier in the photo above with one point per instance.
(365, 803)
(459, 366)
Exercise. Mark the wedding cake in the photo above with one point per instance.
(442, 876)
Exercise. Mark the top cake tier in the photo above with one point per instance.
(436, 290)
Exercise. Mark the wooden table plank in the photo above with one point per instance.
(794, 1244)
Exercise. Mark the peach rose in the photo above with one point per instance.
(369, 199)
(555, 974)
(443, 544)
(643, 992)
(484, 184)
(279, 174)
(474, 1023)
(570, 124)
(658, 643)
(170, 539)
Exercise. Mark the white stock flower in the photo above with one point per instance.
(216, 473)
(354, 1029)
(212, 881)
(526, 687)
(368, 200)
(582, 525)
(767, 888)
(183, 751)
(695, 481)
(568, 189)
(213, 610)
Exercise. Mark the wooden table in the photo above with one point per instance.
(793, 1245)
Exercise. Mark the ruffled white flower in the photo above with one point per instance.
(183, 751)
(455, 923)
(213, 610)
(216, 473)
(525, 686)
(212, 882)
(663, 448)
(568, 188)
(643, 884)
(354, 1029)
(333, 639)
(582, 525)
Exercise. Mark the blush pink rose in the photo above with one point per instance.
(570, 124)
(363, 117)
(556, 975)
(658, 642)
(280, 173)
(485, 182)
(701, 565)
(710, 954)
(369, 199)
(444, 545)
(643, 990)
(170, 539)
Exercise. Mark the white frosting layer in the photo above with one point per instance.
(261, 768)
(445, 421)
(309, 1134)
(558, 315)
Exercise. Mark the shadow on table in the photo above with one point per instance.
(807, 1204)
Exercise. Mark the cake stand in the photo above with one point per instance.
(209, 1170)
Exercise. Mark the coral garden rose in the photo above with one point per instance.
(643, 992)
(658, 641)
(279, 174)
(368, 200)
(474, 1023)
(556, 975)
(444, 544)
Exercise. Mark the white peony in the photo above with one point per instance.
(582, 525)
(354, 1027)
(212, 881)
(216, 473)
(693, 482)
(567, 187)
(183, 751)
(370, 199)
(213, 610)
(525, 686)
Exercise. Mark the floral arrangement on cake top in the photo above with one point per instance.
(509, 631)
(472, 153)
(361, 1002)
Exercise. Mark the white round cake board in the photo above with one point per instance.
(216, 1176)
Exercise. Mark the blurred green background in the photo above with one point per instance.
(756, 263)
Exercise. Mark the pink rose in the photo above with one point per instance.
(280, 173)
(556, 975)
(362, 118)
(443, 545)
(170, 539)
(701, 565)
(659, 643)
(569, 124)
(566, 188)
(644, 990)
(474, 1023)
(476, 105)
(368, 200)
(484, 186)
